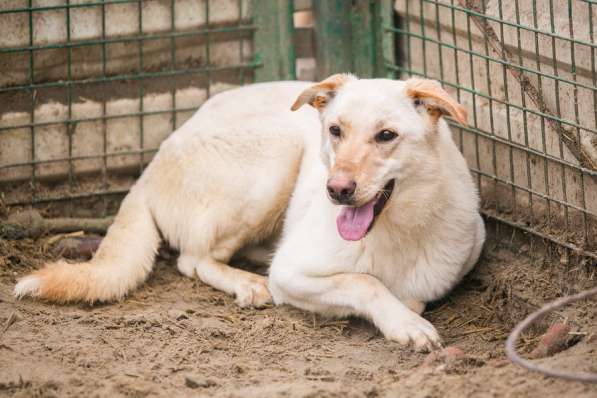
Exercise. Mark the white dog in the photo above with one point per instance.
(369, 204)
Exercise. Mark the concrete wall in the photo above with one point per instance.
(554, 171)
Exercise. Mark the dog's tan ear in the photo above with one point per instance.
(321, 93)
(436, 99)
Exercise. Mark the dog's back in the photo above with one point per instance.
(222, 181)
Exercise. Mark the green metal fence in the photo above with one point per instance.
(524, 69)
(89, 88)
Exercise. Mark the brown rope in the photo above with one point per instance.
(525, 363)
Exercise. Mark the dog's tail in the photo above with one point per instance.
(123, 260)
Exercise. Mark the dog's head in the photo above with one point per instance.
(376, 133)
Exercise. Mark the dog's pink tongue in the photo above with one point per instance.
(353, 222)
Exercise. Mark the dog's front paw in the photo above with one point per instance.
(253, 293)
(412, 330)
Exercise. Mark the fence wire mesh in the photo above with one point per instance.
(525, 70)
(91, 88)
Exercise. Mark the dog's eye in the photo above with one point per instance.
(335, 131)
(418, 102)
(385, 136)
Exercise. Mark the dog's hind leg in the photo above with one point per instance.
(261, 254)
(249, 289)
(186, 265)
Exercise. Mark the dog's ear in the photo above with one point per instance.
(321, 93)
(437, 101)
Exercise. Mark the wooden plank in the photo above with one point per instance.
(273, 41)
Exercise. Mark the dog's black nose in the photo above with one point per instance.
(341, 189)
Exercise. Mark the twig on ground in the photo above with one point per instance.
(11, 319)
(474, 331)
(53, 239)
(30, 224)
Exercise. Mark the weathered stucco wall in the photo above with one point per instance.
(508, 113)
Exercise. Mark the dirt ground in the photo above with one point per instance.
(178, 337)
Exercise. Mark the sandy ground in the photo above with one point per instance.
(178, 337)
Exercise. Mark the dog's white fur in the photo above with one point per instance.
(244, 172)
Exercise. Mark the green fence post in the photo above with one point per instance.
(364, 43)
(333, 37)
(383, 21)
(273, 40)
(350, 36)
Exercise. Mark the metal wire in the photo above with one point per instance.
(524, 143)
(520, 67)
(528, 321)
(37, 85)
